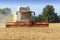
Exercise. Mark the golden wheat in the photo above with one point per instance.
(31, 33)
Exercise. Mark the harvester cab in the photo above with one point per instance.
(24, 14)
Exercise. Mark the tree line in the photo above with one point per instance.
(48, 15)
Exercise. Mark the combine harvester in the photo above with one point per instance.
(23, 17)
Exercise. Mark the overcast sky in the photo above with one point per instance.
(35, 5)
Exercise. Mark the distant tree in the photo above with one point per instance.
(35, 19)
(49, 14)
(1, 11)
(5, 11)
(40, 18)
(59, 17)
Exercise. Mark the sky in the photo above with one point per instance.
(35, 5)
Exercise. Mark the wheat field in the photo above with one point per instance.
(28, 33)
(31, 33)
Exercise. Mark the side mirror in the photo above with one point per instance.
(32, 12)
